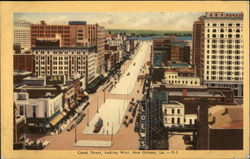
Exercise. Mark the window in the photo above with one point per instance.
(238, 24)
(230, 24)
(172, 120)
(237, 35)
(178, 120)
(172, 111)
(214, 30)
(178, 111)
(222, 35)
(34, 111)
(21, 110)
(222, 24)
(222, 30)
(214, 35)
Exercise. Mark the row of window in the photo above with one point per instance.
(224, 57)
(224, 78)
(224, 73)
(49, 27)
(225, 46)
(225, 51)
(224, 41)
(224, 24)
(60, 52)
(226, 62)
(224, 35)
(223, 30)
(225, 67)
(182, 82)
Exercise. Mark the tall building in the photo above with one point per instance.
(75, 34)
(22, 33)
(67, 61)
(218, 50)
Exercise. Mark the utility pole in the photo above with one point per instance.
(88, 118)
(112, 135)
(97, 104)
(75, 131)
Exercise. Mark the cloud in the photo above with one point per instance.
(120, 20)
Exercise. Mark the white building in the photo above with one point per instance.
(67, 61)
(173, 77)
(22, 33)
(39, 112)
(174, 115)
(223, 50)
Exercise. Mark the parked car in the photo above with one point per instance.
(131, 120)
(133, 113)
(128, 74)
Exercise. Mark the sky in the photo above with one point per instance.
(171, 21)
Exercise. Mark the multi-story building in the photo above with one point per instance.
(22, 33)
(40, 113)
(225, 127)
(76, 34)
(24, 62)
(67, 61)
(177, 78)
(174, 115)
(218, 50)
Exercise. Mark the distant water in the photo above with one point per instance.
(161, 37)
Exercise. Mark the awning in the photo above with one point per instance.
(63, 113)
(67, 109)
(56, 119)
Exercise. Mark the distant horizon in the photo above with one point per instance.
(155, 21)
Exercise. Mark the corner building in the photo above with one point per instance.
(218, 50)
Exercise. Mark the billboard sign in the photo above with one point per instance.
(55, 79)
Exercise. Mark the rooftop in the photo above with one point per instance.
(61, 48)
(226, 117)
(199, 94)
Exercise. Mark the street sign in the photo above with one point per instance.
(55, 79)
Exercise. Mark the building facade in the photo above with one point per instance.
(218, 50)
(39, 112)
(22, 33)
(24, 62)
(67, 61)
(173, 77)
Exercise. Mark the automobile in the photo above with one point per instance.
(98, 125)
(134, 64)
(128, 74)
(189, 148)
(131, 120)
(127, 124)
(124, 122)
(126, 117)
(133, 113)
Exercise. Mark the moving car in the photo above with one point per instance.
(98, 125)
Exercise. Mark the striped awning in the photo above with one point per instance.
(56, 119)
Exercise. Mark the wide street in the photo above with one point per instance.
(112, 110)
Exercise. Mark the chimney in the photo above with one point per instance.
(184, 92)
